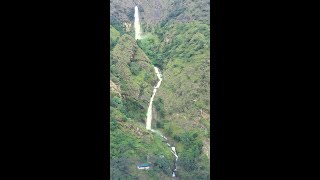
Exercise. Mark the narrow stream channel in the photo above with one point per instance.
(159, 75)
(149, 120)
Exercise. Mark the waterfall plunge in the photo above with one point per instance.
(137, 23)
(159, 75)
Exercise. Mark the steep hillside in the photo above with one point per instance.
(157, 11)
(187, 11)
(185, 95)
(114, 37)
(151, 12)
(178, 42)
(182, 105)
(132, 81)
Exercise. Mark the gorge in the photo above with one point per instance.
(159, 100)
(149, 113)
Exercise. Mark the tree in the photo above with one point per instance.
(177, 138)
(131, 14)
(135, 68)
(164, 165)
(119, 169)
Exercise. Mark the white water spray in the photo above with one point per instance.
(137, 23)
(149, 120)
(149, 113)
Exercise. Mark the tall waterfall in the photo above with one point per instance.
(149, 113)
(137, 23)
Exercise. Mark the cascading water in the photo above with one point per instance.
(149, 120)
(137, 23)
(159, 75)
(149, 113)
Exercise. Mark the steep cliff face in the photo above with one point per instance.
(158, 11)
(188, 10)
(150, 11)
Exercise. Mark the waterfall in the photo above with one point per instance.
(149, 113)
(149, 120)
(137, 23)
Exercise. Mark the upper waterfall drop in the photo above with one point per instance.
(137, 23)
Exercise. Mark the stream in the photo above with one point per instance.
(137, 28)
(149, 120)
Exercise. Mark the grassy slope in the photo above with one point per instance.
(182, 103)
(114, 36)
(130, 142)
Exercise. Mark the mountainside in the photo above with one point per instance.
(158, 11)
(150, 11)
(182, 104)
(132, 80)
(176, 38)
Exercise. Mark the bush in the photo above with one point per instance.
(119, 169)
(134, 109)
(135, 68)
(159, 106)
(116, 24)
(131, 14)
(177, 138)
(160, 124)
(164, 165)
(113, 125)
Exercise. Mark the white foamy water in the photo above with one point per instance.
(149, 120)
(159, 75)
(137, 27)
(149, 113)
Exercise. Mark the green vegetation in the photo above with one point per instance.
(150, 44)
(129, 148)
(131, 143)
(114, 37)
(116, 24)
(179, 44)
(182, 103)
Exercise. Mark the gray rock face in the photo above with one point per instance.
(155, 11)
(150, 11)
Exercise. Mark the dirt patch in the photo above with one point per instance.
(114, 88)
(206, 147)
